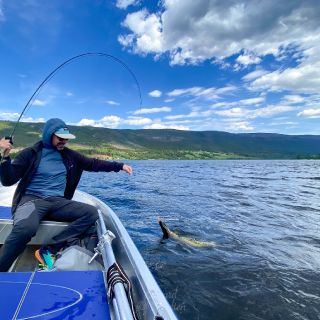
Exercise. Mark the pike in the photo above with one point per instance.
(167, 233)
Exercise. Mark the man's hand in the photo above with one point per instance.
(127, 169)
(5, 147)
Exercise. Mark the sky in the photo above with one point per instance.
(235, 66)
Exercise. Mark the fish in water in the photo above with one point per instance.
(184, 239)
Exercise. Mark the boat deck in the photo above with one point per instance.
(48, 295)
(53, 295)
(5, 212)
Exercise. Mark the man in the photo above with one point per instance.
(48, 175)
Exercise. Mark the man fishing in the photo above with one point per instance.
(48, 174)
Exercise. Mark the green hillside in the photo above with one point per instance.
(175, 144)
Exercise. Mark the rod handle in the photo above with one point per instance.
(9, 138)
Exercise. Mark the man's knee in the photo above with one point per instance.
(88, 213)
(24, 231)
(92, 214)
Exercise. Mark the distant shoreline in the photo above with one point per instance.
(131, 154)
(169, 144)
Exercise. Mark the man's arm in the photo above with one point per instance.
(11, 173)
(97, 165)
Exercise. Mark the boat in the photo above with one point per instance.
(122, 288)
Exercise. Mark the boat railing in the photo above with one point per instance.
(123, 307)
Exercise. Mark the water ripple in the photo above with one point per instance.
(263, 215)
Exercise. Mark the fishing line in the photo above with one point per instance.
(62, 65)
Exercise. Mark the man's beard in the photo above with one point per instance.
(60, 146)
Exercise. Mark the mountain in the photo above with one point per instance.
(175, 144)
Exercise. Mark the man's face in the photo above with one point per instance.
(59, 143)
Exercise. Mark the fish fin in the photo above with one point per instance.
(164, 229)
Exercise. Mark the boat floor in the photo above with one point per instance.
(26, 261)
(53, 295)
(27, 293)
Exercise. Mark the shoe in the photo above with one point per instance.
(39, 257)
(45, 257)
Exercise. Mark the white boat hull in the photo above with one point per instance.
(148, 297)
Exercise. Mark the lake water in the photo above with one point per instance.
(263, 215)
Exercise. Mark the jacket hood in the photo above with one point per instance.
(50, 127)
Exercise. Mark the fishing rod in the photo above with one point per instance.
(58, 68)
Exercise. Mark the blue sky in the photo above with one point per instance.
(237, 66)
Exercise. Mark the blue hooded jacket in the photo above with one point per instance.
(49, 129)
(49, 180)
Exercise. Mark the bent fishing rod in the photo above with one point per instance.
(62, 65)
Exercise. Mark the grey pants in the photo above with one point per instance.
(32, 210)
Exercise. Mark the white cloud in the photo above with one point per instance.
(106, 122)
(69, 94)
(152, 110)
(178, 116)
(166, 126)
(147, 29)
(293, 99)
(127, 40)
(268, 111)
(193, 114)
(252, 101)
(303, 79)
(244, 102)
(310, 113)
(282, 121)
(124, 4)
(14, 116)
(225, 90)
(225, 104)
(210, 93)
(254, 74)
(137, 121)
(248, 59)
(271, 110)
(189, 91)
(240, 126)
(9, 116)
(155, 93)
(110, 121)
(39, 103)
(111, 102)
(87, 122)
(233, 112)
(115, 121)
(30, 119)
(194, 31)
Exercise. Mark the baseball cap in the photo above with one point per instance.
(64, 133)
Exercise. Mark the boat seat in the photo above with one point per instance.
(53, 295)
(46, 231)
